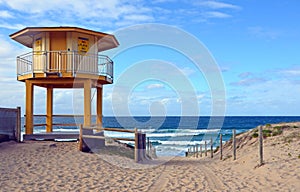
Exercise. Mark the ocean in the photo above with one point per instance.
(171, 135)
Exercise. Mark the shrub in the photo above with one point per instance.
(255, 135)
(268, 125)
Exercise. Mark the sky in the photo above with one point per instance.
(254, 44)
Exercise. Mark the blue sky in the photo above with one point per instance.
(255, 43)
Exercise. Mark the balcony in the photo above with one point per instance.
(62, 64)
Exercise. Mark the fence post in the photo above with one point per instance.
(136, 145)
(234, 143)
(205, 145)
(200, 150)
(18, 129)
(261, 162)
(144, 145)
(197, 152)
(211, 148)
(80, 138)
(221, 147)
(148, 145)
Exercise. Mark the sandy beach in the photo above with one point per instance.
(59, 166)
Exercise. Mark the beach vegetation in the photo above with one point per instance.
(268, 125)
(291, 137)
(255, 135)
(227, 157)
(299, 156)
(295, 126)
(217, 149)
(267, 133)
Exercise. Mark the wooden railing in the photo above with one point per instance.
(139, 140)
(64, 61)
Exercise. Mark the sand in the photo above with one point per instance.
(59, 166)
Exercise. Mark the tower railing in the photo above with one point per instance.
(64, 62)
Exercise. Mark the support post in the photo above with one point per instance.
(49, 109)
(261, 161)
(99, 106)
(197, 152)
(29, 107)
(87, 103)
(221, 147)
(234, 143)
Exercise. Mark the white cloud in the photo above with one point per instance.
(12, 26)
(104, 13)
(276, 97)
(187, 71)
(216, 14)
(155, 86)
(136, 17)
(217, 5)
(263, 32)
(6, 14)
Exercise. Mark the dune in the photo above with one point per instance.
(59, 166)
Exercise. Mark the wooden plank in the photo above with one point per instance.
(93, 137)
(65, 124)
(40, 124)
(119, 130)
(110, 129)
(50, 136)
(122, 139)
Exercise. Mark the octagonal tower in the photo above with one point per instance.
(59, 56)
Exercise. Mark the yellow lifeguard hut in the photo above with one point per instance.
(59, 56)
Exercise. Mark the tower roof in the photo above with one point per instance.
(25, 36)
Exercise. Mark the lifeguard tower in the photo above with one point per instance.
(64, 57)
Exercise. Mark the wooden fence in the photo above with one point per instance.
(139, 139)
(10, 124)
(197, 151)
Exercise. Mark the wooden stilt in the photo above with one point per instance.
(87, 103)
(49, 109)
(99, 106)
(29, 107)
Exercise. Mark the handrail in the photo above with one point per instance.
(64, 61)
(139, 140)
